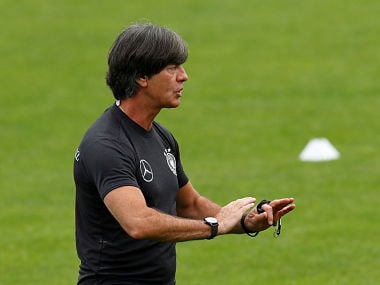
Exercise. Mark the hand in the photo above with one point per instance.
(272, 213)
(230, 215)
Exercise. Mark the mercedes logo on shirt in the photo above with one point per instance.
(146, 170)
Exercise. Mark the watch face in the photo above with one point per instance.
(211, 220)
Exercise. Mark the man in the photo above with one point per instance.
(133, 198)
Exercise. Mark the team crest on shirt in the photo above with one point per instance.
(170, 159)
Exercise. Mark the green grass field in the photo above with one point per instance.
(265, 77)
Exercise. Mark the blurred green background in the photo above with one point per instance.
(265, 78)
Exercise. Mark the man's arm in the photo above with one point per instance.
(127, 204)
(190, 204)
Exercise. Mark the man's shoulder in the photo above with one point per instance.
(104, 132)
(164, 133)
(106, 125)
(160, 127)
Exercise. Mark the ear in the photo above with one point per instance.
(142, 81)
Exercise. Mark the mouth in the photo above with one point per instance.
(179, 92)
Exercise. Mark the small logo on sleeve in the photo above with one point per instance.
(77, 154)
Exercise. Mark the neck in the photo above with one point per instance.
(137, 113)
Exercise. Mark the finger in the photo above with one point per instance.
(247, 202)
(238, 206)
(281, 203)
(269, 211)
(286, 210)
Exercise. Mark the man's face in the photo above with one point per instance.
(164, 89)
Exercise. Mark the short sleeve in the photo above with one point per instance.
(109, 165)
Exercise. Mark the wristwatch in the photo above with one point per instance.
(213, 223)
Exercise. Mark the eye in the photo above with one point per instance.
(172, 68)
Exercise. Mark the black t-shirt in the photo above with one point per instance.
(117, 152)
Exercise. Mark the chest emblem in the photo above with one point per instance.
(146, 170)
(170, 159)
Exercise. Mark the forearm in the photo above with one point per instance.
(190, 225)
(199, 209)
(159, 226)
(128, 206)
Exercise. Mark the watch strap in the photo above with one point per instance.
(214, 228)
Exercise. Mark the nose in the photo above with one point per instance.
(181, 74)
